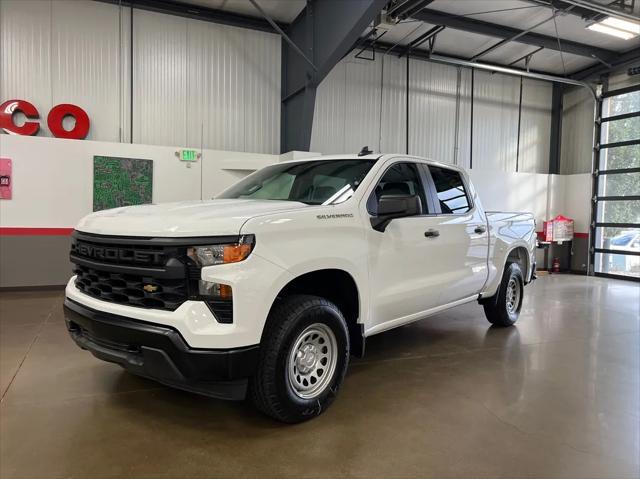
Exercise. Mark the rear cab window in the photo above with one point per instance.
(451, 192)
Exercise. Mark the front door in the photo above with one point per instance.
(404, 281)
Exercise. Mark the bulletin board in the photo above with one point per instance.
(121, 182)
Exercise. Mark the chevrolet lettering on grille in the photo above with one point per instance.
(107, 253)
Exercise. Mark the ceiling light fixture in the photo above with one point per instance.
(625, 25)
(616, 27)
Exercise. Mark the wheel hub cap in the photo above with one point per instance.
(513, 295)
(312, 361)
(306, 358)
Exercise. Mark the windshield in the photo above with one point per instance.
(322, 182)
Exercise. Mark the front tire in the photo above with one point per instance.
(503, 309)
(304, 355)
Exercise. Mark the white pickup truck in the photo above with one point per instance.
(268, 289)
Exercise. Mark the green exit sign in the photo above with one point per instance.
(188, 155)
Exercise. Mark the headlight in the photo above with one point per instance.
(222, 253)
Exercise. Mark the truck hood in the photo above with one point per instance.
(182, 219)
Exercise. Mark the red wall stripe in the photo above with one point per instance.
(18, 231)
(575, 235)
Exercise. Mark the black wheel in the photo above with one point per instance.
(503, 309)
(304, 355)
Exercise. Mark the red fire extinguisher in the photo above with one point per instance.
(556, 265)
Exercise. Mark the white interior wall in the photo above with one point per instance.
(363, 102)
(576, 200)
(194, 83)
(529, 192)
(53, 181)
(53, 178)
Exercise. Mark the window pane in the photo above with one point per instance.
(620, 157)
(617, 105)
(623, 184)
(621, 130)
(400, 179)
(619, 211)
(623, 239)
(626, 265)
(450, 190)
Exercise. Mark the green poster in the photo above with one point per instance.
(121, 182)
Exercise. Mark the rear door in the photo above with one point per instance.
(462, 241)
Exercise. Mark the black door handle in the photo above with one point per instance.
(431, 233)
(480, 229)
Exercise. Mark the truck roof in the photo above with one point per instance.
(375, 156)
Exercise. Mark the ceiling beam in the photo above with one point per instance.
(180, 9)
(628, 58)
(563, 5)
(384, 47)
(325, 31)
(501, 31)
(604, 9)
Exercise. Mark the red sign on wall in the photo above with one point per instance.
(54, 120)
(5, 179)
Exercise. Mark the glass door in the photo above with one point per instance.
(615, 243)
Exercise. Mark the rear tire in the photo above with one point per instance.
(503, 309)
(304, 355)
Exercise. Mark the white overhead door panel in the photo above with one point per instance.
(394, 104)
(432, 110)
(495, 121)
(261, 57)
(233, 88)
(577, 132)
(85, 59)
(328, 132)
(535, 126)
(462, 156)
(159, 78)
(25, 35)
(363, 95)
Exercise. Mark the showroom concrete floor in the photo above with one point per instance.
(557, 396)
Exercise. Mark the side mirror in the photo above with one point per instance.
(395, 206)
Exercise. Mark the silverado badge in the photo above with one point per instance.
(150, 288)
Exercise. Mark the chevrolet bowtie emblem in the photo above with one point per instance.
(150, 288)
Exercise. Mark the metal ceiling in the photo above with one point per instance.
(500, 32)
(503, 32)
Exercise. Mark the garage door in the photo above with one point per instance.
(615, 249)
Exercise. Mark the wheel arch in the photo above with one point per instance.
(337, 286)
(519, 255)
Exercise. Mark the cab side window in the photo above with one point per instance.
(452, 195)
(400, 179)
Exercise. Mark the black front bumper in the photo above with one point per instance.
(160, 353)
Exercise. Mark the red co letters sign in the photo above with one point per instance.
(54, 120)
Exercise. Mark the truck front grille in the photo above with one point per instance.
(141, 272)
(131, 289)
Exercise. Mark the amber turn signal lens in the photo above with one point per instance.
(234, 253)
(225, 292)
